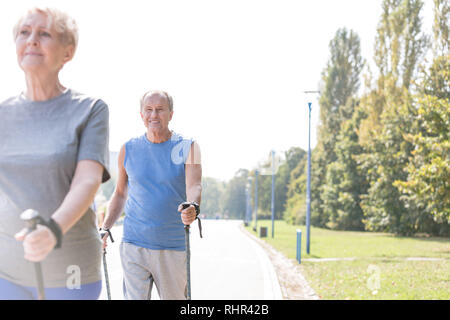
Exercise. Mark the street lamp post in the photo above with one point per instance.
(256, 201)
(246, 204)
(249, 199)
(308, 184)
(273, 191)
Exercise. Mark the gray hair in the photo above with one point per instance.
(160, 93)
(64, 25)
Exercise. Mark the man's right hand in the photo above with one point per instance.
(104, 234)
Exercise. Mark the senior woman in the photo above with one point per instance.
(53, 158)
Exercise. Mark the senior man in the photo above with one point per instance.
(157, 172)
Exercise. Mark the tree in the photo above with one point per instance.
(440, 27)
(344, 182)
(296, 195)
(426, 189)
(400, 46)
(294, 158)
(284, 166)
(212, 195)
(234, 205)
(340, 82)
(389, 155)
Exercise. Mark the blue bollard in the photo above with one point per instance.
(299, 246)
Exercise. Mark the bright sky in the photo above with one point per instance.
(236, 69)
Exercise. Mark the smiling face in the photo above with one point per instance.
(39, 47)
(155, 113)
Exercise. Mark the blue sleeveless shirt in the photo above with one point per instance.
(156, 186)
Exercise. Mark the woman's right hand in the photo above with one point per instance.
(38, 243)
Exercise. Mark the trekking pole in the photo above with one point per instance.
(105, 267)
(186, 205)
(188, 262)
(31, 218)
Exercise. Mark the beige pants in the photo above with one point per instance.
(142, 267)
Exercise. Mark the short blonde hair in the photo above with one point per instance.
(64, 25)
(161, 94)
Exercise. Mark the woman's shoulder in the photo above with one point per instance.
(11, 101)
(86, 99)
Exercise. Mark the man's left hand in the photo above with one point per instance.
(188, 215)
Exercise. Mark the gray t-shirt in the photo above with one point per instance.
(41, 143)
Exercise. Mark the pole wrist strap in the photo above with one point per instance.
(54, 228)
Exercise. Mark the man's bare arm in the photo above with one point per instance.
(194, 174)
(193, 168)
(119, 197)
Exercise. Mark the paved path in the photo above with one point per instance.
(225, 264)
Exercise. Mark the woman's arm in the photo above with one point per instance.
(86, 181)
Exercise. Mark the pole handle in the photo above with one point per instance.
(31, 218)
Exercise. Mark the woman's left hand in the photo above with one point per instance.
(38, 243)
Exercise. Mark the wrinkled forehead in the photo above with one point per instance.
(155, 99)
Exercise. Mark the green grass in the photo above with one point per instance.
(385, 253)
